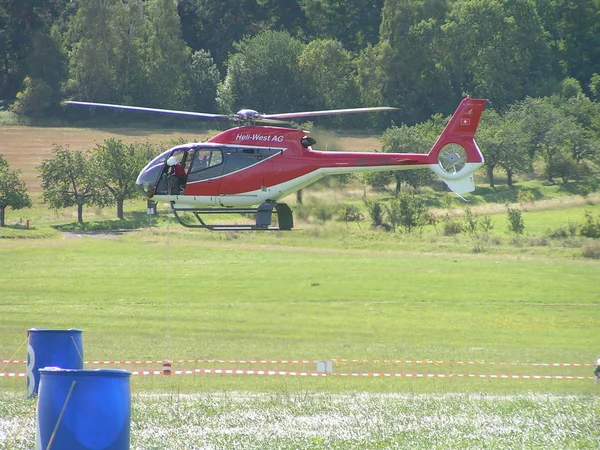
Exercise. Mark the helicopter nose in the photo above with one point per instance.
(145, 183)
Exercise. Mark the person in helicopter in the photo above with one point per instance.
(177, 175)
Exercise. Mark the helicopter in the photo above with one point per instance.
(249, 168)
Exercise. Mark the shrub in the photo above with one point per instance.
(557, 233)
(471, 221)
(486, 225)
(515, 221)
(591, 250)
(590, 227)
(538, 241)
(324, 212)
(452, 226)
(375, 211)
(407, 211)
(525, 197)
(563, 232)
(349, 213)
(319, 210)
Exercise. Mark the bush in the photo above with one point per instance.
(324, 212)
(564, 232)
(317, 209)
(515, 221)
(375, 211)
(486, 225)
(590, 227)
(34, 100)
(591, 250)
(471, 221)
(452, 226)
(407, 211)
(349, 213)
(525, 197)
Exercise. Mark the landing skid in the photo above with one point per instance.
(263, 217)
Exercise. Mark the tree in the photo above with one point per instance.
(46, 70)
(204, 80)
(318, 61)
(19, 21)
(504, 142)
(214, 25)
(13, 191)
(353, 22)
(106, 41)
(409, 53)
(263, 75)
(574, 31)
(34, 100)
(498, 49)
(166, 57)
(118, 166)
(69, 179)
(594, 87)
(94, 38)
(416, 139)
(562, 132)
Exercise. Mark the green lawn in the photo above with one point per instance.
(156, 295)
(379, 301)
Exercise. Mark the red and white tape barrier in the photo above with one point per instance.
(324, 374)
(314, 361)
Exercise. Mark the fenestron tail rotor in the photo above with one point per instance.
(452, 158)
(243, 116)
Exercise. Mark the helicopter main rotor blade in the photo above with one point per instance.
(155, 110)
(327, 112)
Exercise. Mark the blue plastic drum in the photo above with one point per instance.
(83, 409)
(52, 348)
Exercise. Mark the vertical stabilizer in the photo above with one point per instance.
(455, 155)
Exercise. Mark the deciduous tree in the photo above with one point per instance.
(263, 75)
(167, 58)
(13, 192)
(72, 179)
(118, 166)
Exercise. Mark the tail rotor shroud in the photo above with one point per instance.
(452, 158)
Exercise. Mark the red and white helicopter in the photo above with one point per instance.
(247, 169)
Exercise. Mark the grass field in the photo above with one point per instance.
(378, 301)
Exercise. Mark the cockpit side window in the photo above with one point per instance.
(205, 164)
(203, 159)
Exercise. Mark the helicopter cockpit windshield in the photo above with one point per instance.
(153, 175)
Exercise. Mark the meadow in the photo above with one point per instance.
(371, 301)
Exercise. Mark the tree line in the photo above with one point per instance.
(281, 55)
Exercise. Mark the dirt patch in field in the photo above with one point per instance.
(96, 234)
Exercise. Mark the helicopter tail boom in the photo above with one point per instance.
(455, 155)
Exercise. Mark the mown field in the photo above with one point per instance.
(374, 302)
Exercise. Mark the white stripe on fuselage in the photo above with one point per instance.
(272, 193)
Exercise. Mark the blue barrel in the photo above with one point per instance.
(52, 348)
(83, 409)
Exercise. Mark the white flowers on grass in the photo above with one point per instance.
(230, 420)
(242, 420)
